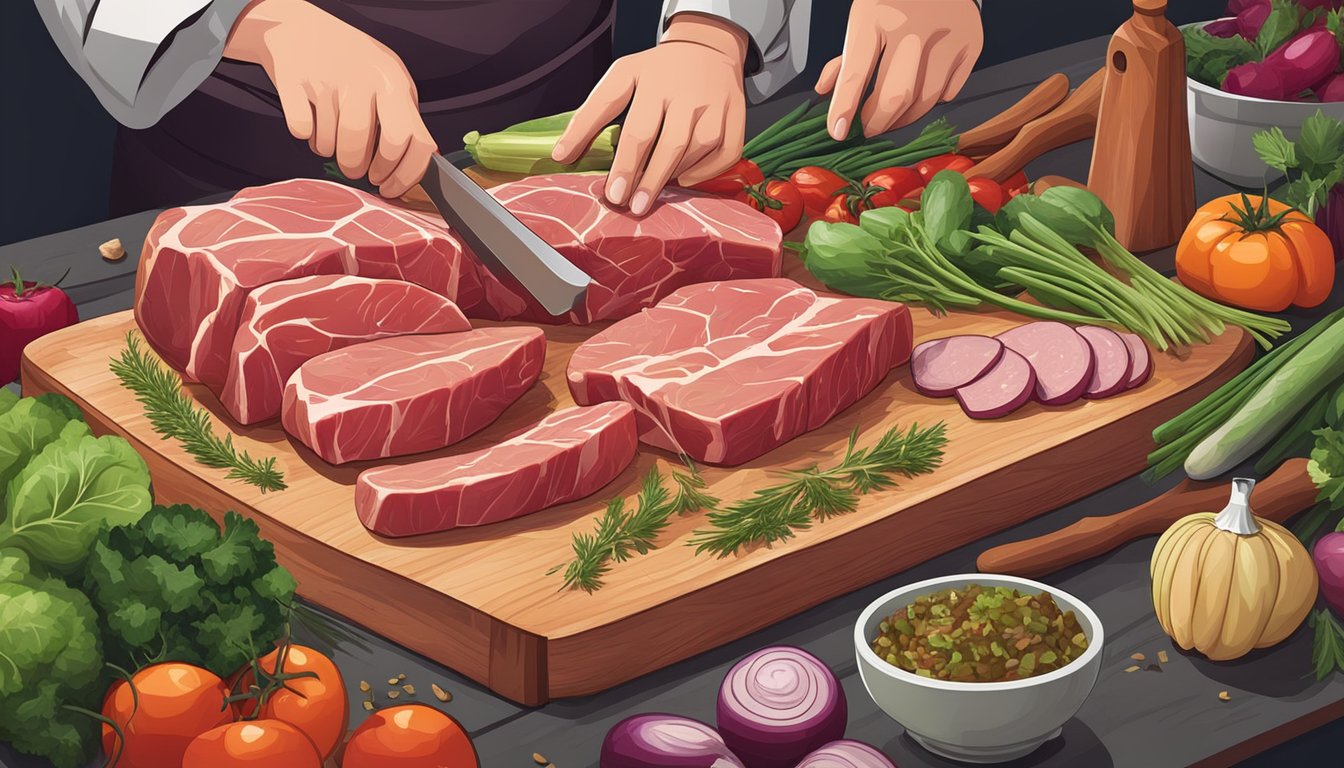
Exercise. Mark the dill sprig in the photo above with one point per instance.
(621, 534)
(172, 415)
(813, 494)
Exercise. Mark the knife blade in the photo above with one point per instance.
(501, 241)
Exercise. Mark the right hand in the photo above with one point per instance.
(343, 92)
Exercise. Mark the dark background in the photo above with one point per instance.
(56, 141)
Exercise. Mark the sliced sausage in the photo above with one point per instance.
(1007, 386)
(1142, 366)
(1060, 357)
(942, 366)
(1111, 363)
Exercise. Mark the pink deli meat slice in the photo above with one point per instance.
(1061, 359)
(567, 455)
(1142, 368)
(1112, 363)
(1007, 387)
(285, 324)
(724, 372)
(942, 366)
(409, 394)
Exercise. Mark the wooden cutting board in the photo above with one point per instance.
(480, 600)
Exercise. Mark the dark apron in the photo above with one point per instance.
(478, 65)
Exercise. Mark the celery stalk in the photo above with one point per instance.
(529, 151)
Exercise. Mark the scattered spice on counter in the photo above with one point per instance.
(364, 686)
(1162, 656)
(393, 694)
(393, 680)
(1137, 656)
(1224, 696)
(1132, 668)
(112, 251)
(441, 694)
(368, 706)
(538, 759)
(408, 688)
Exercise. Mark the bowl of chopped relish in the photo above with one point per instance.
(978, 667)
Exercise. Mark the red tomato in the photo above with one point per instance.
(840, 211)
(817, 186)
(410, 736)
(779, 200)
(28, 311)
(263, 743)
(314, 705)
(950, 162)
(176, 703)
(731, 182)
(1016, 184)
(897, 184)
(987, 193)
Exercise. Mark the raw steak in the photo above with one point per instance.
(724, 372)
(687, 238)
(409, 394)
(942, 366)
(1060, 357)
(287, 323)
(1111, 361)
(567, 455)
(200, 262)
(1007, 387)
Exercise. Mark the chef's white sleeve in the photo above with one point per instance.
(141, 57)
(777, 30)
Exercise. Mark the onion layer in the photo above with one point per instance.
(665, 741)
(779, 704)
(846, 753)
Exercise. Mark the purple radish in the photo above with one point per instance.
(1235, 7)
(1331, 88)
(1328, 554)
(1306, 59)
(1330, 217)
(1254, 79)
(1251, 18)
(1222, 28)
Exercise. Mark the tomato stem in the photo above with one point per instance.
(1256, 218)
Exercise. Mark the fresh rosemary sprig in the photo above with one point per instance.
(621, 533)
(776, 513)
(173, 415)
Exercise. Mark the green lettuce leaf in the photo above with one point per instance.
(25, 429)
(7, 399)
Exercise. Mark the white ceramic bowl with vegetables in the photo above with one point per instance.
(978, 722)
(1223, 122)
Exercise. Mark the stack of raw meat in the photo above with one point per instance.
(1047, 361)
(346, 317)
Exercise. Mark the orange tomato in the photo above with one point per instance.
(411, 736)
(1257, 254)
(263, 743)
(314, 705)
(176, 703)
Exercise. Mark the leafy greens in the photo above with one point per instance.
(1314, 163)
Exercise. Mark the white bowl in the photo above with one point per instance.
(1222, 124)
(978, 722)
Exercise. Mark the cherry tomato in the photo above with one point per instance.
(264, 743)
(817, 186)
(1016, 184)
(897, 184)
(314, 705)
(840, 211)
(987, 193)
(731, 182)
(410, 736)
(950, 162)
(176, 703)
(779, 200)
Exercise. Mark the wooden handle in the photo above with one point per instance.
(1073, 120)
(1281, 495)
(1045, 182)
(997, 131)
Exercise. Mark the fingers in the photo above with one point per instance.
(394, 138)
(411, 168)
(856, 68)
(354, 135)
(894, 90)
(638, 133)
(673, 141)
(938, 67)
(706, 137)
(829, 73)
(729, 150)
(296, 108)
(323, 140)
(962, 72)
(606, 101)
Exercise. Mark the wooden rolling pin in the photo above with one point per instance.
(995, 133)
(1073, 120)
(1278, 497)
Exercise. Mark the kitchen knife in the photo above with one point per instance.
(501, 241)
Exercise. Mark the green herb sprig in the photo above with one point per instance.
(1327, 646)
(172, 415)
(620, 533)
(813, 494)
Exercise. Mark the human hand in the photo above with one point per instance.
(687, 111)
(343, 92)
(926, 50)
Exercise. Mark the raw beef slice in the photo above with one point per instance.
(724, 372)
(687, 238)
(200, 262)
(567, 455)
(287, 323)
(409, 394)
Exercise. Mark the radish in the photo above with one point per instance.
(1222, 28)
(29, 311)
(1306, 59)
(1331, 88)
(1251, 18)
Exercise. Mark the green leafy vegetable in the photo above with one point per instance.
(174, 586)
(26, 427)
(173, 415)
(1326, 467)
(1327, 644)
(7, 399)
(1282, 23)
(50, 665)
(1208, 58)
(1313, 164)
(814, 494)
(75, 487)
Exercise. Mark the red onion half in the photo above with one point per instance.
(778, 704)
(665, 741)
(846, 754)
